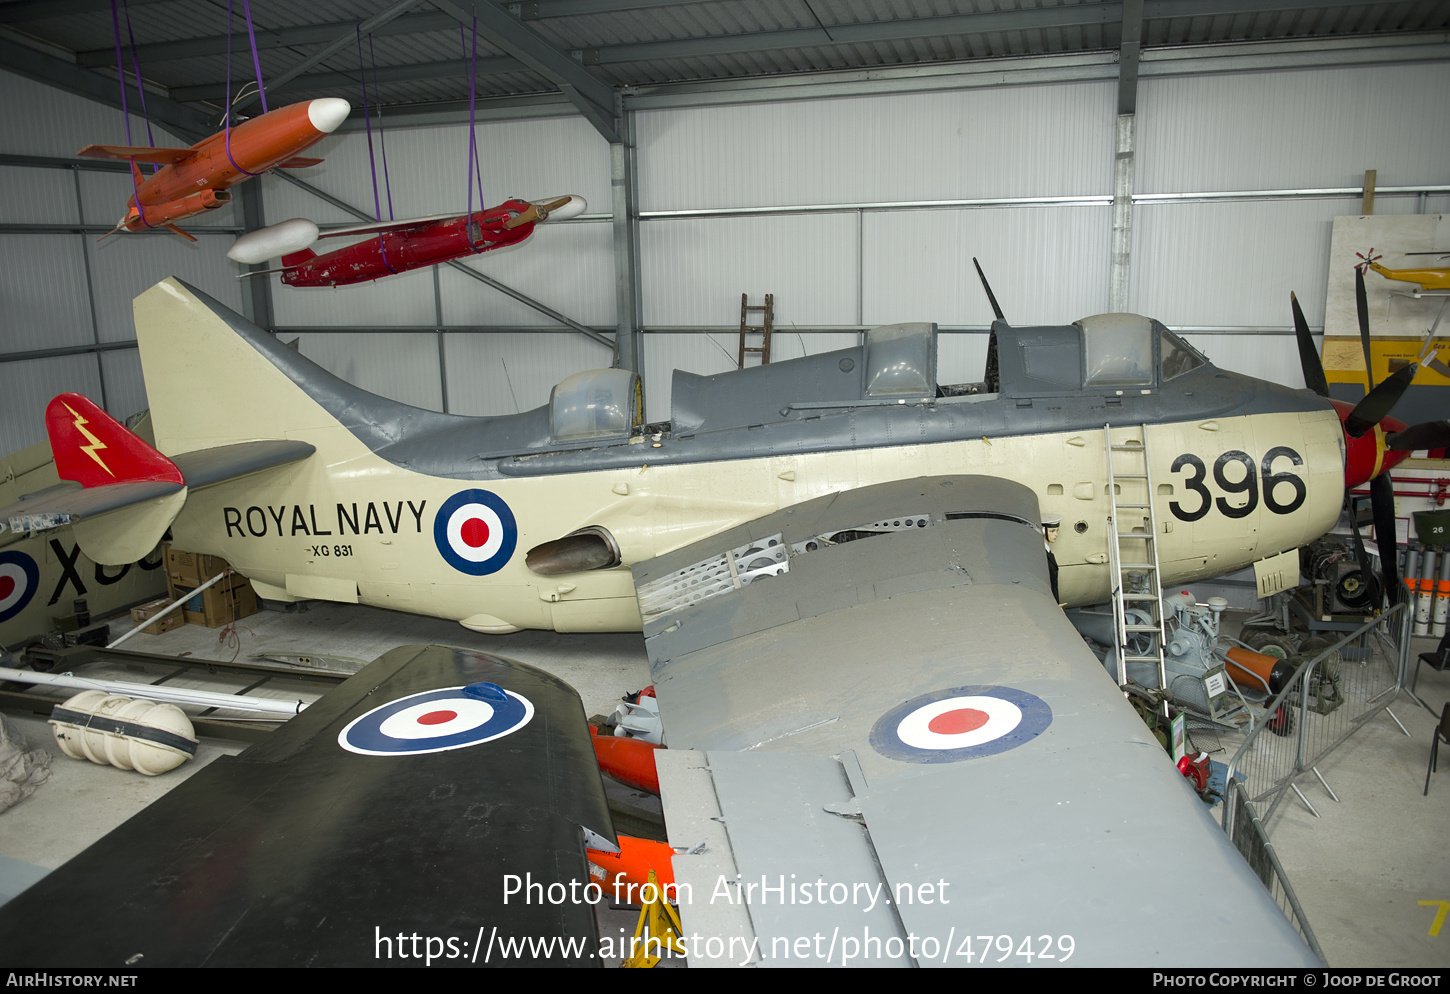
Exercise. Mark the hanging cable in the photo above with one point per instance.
(227, 121)
(256, 58)
(372, 164)
(136, 68)
(471, 167)
(125, 111)
(382, 135)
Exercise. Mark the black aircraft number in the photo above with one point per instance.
(1245, 483)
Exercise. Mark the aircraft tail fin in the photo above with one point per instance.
(95, 450)
(128, 493)
(215, 379)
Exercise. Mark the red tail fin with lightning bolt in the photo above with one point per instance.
(94, 449)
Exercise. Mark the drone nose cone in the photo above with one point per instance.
(326, 113)
(562, 208)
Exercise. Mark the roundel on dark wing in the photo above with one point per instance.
(437, 720)
(947, 726)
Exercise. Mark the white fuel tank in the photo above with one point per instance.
(273, 241)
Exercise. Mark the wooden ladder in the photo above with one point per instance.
(763, 329)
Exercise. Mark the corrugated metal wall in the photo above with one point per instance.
(890, 245)
(1233, 263)
(48, 281)
(1008, 142)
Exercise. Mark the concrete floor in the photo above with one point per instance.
(1360, 868)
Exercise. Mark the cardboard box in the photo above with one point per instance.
(219, 605)
(150, 609)
(191, 569)
(175, 589)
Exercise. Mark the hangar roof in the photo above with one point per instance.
(561, 56)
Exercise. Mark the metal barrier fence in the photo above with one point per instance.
(1249, 836)
(1326, 701)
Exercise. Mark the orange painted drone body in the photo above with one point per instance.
(195, 180)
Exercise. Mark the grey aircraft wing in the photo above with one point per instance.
(907, 755)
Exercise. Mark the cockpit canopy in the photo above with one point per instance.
(597, 405)
(901, 361)
(1105, 351)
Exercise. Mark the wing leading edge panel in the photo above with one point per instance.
(917, 684)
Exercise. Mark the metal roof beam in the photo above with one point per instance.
(311, 34)
(383, 74)
(332, 48)
(593, 97)
(1157, 10)
(1074, 15)
(21, 59)
(1185, 60)
(858, 34)
(45, 10)
(537, 10)
(1128, 47)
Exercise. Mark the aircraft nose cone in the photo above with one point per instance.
(326, 113)
(575, 206)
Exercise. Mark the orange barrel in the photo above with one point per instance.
(1252, 670)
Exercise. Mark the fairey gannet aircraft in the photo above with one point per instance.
(839, 569)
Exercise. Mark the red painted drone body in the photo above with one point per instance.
(397, 246)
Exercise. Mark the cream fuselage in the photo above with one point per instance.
(348, 525)
(1257, 470)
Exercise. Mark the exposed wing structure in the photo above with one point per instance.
(914, 756)
(364, 822)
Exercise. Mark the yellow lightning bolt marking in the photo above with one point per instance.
(96, 443)
(1444, 906)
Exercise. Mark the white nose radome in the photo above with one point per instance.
(326, 113)
(576, 206)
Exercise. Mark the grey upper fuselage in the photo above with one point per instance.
(879, 394)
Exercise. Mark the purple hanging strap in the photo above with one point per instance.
(256, 60)
(227, 121)
(382, 135)
(136, 68)
(372, 164)
(125, 113)
(471, 165)
(121, 69)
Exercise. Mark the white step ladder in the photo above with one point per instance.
(1134, 550)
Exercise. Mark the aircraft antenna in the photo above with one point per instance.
(986, 286)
